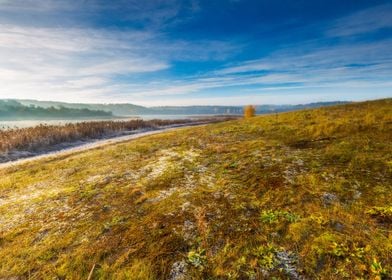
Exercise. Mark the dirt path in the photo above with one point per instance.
(95, 144)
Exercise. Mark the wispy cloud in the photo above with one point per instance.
(135, 63)
(69, 52)
(307, 67)
(151, 14)
(83, 61)
(313, 55)
(34, 5)
(361, 22)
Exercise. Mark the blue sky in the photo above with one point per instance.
(227, 52)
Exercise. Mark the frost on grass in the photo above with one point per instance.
(230, 201)
(288, 263)
(171, 161)
(23, 202)
(163, 194)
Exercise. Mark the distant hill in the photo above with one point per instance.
(131, 109)
(237, 110)
(115, 109)
(15, 110)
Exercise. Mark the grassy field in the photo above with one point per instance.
(300, 195)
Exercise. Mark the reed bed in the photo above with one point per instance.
(40, 137)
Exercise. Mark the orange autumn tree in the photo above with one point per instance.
(249, 111)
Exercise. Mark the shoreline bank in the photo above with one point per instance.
(74, 147)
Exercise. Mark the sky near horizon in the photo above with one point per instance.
(195, 52)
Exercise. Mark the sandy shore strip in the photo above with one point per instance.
(95, 144)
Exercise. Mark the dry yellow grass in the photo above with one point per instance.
(43, 135)
(307, 194)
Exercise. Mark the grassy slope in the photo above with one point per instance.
(240, 199)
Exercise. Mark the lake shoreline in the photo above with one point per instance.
(68, 148)
(7, 124)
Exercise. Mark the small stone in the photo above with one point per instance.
(337, 226)
(329, 199)
(179, 271)
(188, 230)
(288, 263)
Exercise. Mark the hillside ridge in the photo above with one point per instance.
(131, 109)
(298, 195)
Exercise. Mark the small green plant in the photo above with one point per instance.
(331, 245)
(273, 216)
(266, 256)
(359, 252)
(241, 262)
(197, 258)
(338, 249)
(290, 217)
(383, 214)
(115, 221)
(377, 269)
(269, 216)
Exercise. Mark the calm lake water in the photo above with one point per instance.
(31, 123)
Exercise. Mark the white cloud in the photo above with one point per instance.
(83, 63)
(307, 67)
(249, 66)
(86, 82)
(311, 65)
(364, 21)
(35, 5)
(36, 60)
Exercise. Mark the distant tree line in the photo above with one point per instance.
(14, 110)
(132, 110)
